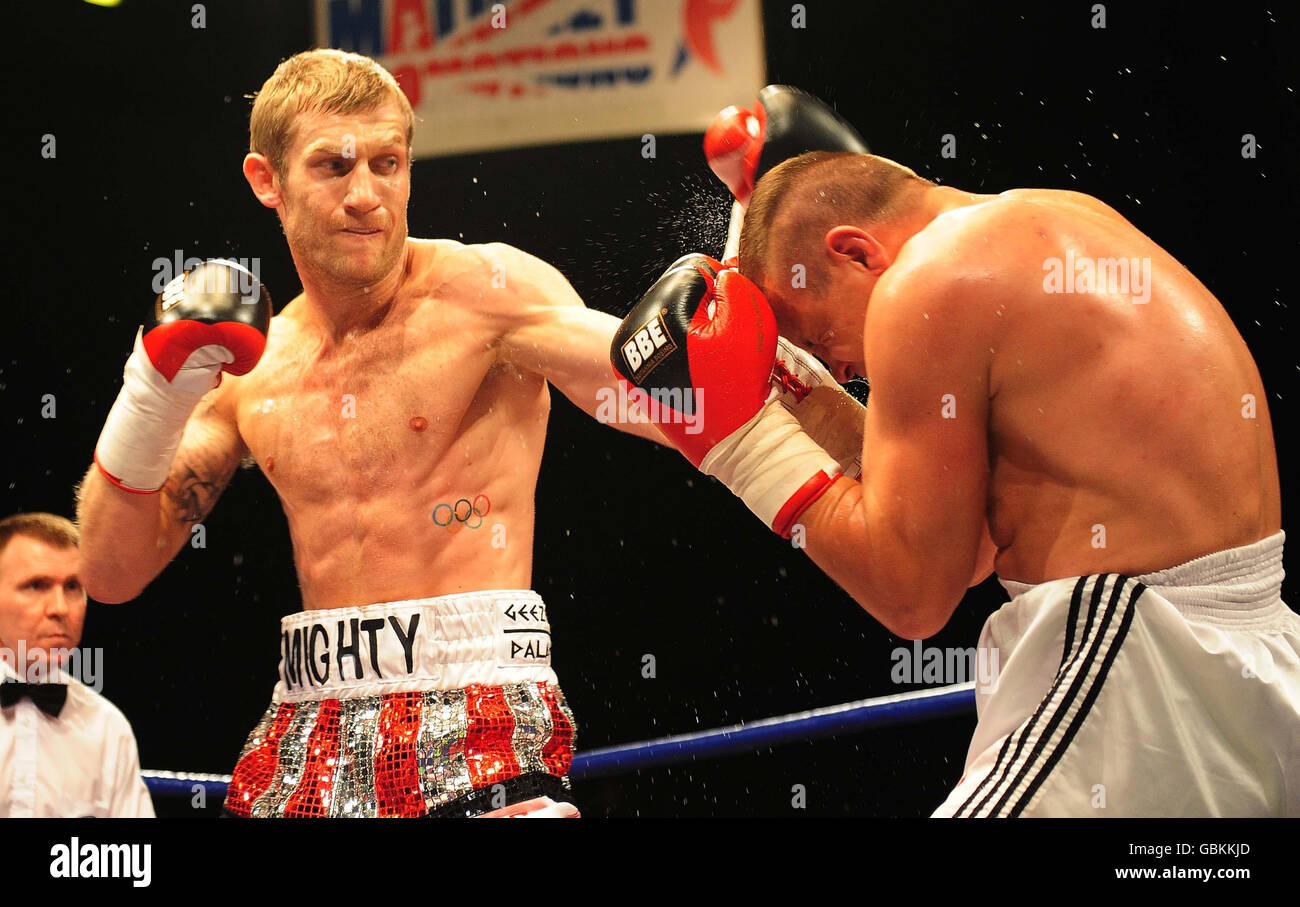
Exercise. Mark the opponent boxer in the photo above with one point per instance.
(1051, 394)
(399, 408)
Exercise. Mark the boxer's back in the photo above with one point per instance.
(372, 439)
(1128, 425)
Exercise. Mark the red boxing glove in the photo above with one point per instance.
(206, 321)
(682, 345)
(741, 145)
(220, 303)
(698, 352)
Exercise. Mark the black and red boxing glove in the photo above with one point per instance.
(220, 303)
(742, 145)
(697, 352)
(206, 321)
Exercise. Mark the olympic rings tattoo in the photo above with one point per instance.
(463, 511)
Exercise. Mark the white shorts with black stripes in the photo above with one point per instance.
(1171, 694)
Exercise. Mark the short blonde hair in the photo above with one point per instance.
(325, 80)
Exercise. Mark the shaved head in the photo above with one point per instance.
(796, 203)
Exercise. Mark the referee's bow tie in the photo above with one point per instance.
(49, 697)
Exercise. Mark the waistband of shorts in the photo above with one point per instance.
(449, 642)
(1235, 580)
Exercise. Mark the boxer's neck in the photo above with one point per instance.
(345, 309)
(938, 200)
(929, 204)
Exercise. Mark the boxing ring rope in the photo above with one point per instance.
(845, 718)
(848, 717)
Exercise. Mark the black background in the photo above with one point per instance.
(636, 553)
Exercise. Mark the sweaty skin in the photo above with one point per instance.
(1084, 432)
(409, 374)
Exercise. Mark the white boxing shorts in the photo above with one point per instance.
(1171, 694)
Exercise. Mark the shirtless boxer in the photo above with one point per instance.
(399, 409)
(1104, 443)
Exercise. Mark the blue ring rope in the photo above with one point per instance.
(849, 717)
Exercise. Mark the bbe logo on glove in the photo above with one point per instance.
(649, 345)
(725, 335)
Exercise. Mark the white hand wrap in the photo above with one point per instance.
(828, 413)
(145, 425)
(772, 465)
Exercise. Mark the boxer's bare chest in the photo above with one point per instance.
(375, 409)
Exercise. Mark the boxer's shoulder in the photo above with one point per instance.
(486, 260)
(950, 281)
(501, 279)
(1020, 223)
(944, 263)
(988, 225)
(991, 250)
(1060, 201)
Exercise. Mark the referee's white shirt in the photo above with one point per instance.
(83, 763)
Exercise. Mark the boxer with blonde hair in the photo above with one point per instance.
(399, 408)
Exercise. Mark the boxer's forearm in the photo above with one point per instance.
(119, 539)
(897, 584)
(129, 537)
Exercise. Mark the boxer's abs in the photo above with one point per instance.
(404, 473)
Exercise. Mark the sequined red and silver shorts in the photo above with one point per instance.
(439, 707)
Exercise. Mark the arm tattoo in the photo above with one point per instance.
(202, 468)
(193, 496)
